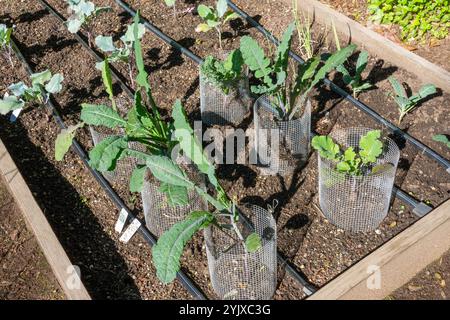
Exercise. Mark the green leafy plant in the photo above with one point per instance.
(123, 53)
(355, 81)
(224, 74)
(273, 73)
(215, 18)
(418, 19)
(42, 84)
(443, 139)
(83, 12)
(5, 41)
(407, 104)
(350, 161)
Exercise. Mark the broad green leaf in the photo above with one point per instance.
(55, 84)
(129, 37)
(189, 144)
(326, 147)
(64, 140)
(10, 103)
(253, 242)
(170, 3)
(398, 88)
(343, 166)
(105, 154)
(107, 82)
(370, 146)
(105, 44)
(441, 138)
(137, 178)
(41, 77)
(204, 11)
(86, 7)
(165, 170)
(361, 63)
(203, 27)
(167, 252)
(176, 195)
(254, 57)
(282, 54)
(427, 90)
(18, 89)
(221, 7)
(230, 15)
(349, 154)
(101, 115)
(74, 25)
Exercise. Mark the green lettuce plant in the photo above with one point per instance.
(215, 18)
(352, 161)
(407, 104)
(355, 81)
(224, 74)
(42, 85)
(83, 12)
(273, 72)
(5, 42)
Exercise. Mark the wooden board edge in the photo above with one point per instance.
(375, 43)
(57, 258)
(394, 263)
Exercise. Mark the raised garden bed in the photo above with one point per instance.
(302, 230)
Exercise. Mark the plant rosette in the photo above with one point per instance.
(235, 273)
(281, 145)
(356, 177)
(224, 90)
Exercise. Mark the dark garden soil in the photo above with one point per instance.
(436, 51)
(24, 271)
(83, 217)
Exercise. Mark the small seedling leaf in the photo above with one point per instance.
(253, 242)
(370, 146)
(55, 84)
(10, 103)
(105, 44)
(64, 141)
(326, 147)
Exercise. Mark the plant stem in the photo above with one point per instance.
(220, 37)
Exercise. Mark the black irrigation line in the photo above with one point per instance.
(360, 105)
(145, 233)
(419, 208)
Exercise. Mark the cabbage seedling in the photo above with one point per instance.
(355, 81)
(273, 72)
(352, 161)
(42, 85)
(443, 139)
(5, 41)
(83, 12)
(215, 18)
(407, 104)
(123, 53)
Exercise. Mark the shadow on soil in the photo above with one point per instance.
(103, 270)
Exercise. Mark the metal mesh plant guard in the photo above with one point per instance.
(124, 167)
(284, 149)
(235, 273)
(159, 214)
(357, 203)
(218, 108)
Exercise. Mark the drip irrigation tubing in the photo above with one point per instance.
(419, 208)
(148, 237)
(360, 105)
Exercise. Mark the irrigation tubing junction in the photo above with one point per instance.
(419, 208)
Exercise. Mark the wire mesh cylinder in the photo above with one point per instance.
(160, 216)
(357, 203)
(124, 167)
(281, 145)
(235, 273)
(218, 108)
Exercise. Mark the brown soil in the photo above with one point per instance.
(437, 51)
(24, 271)
(111, 269)
(433, 283)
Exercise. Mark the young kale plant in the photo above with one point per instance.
(355, 81)
(42, 85)
(215, 18)
(407, 104)
(83, 12)
(224, 74)
(123, 53)
(443, 139)
(273, 73)
(350, 161)
(5, 42)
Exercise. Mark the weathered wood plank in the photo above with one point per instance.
(376, 44)
(36, 221)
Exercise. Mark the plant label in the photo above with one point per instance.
(15, 114)
(123, 215)
(130, 231)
